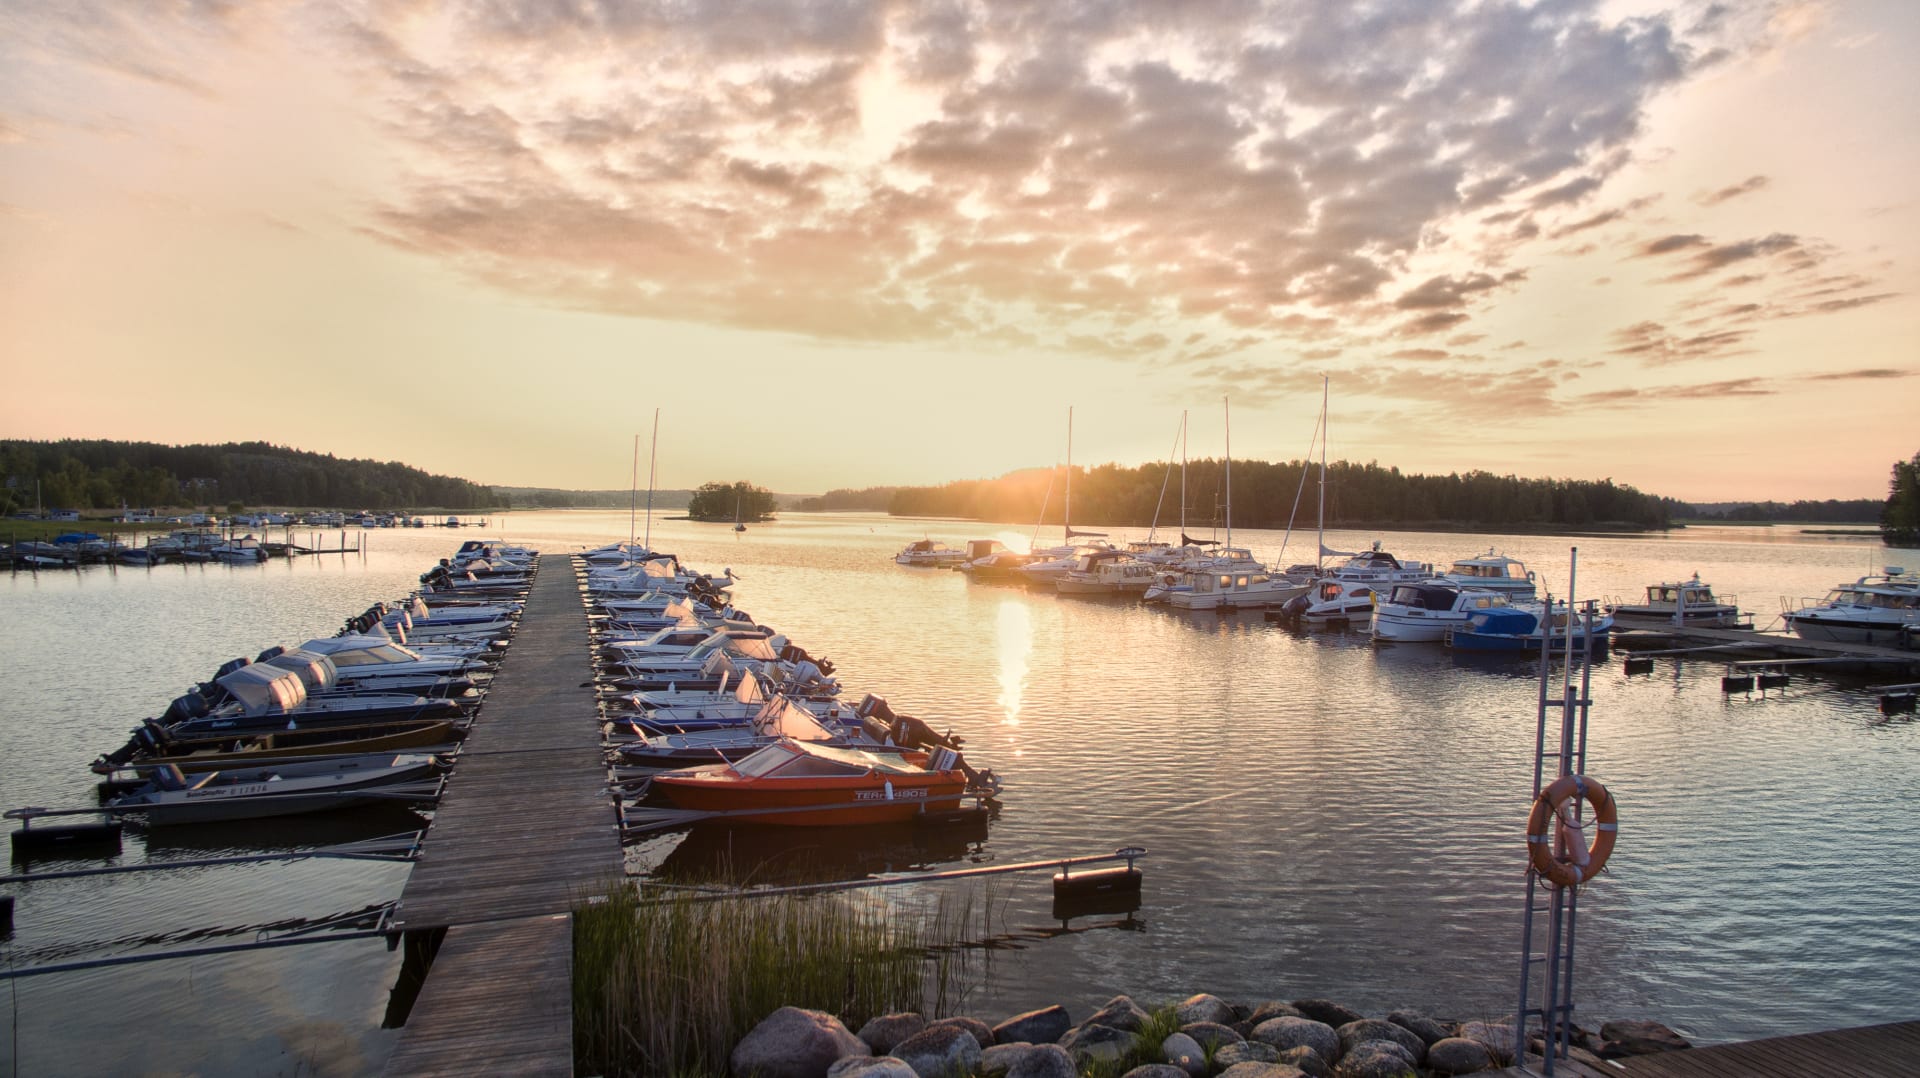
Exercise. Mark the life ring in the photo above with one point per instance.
(1170, 580)
(1551, 805)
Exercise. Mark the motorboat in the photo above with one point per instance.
(1423, 612)
(668, 646)
(1690, 602)
(797, 783)
(1053, 563)
(1525, 628)
(245, 550)
(1108, 573)
(171, 797)
(929, 554)
(439, 678)
(212, 754)
(262, 698)
(1491, 572)
(1877, 610)
(746, 652)
(1345, 593)
(775, 718)
(1219, 589)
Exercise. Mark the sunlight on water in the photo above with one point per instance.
(1016, 653)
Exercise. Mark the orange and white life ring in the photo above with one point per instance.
(1170, 579)
(1578, 862)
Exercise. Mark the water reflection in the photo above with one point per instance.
(1015, 628)
(743, 856)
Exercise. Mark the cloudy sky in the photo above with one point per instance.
(844, 243)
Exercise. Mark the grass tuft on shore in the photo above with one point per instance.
(667, 986)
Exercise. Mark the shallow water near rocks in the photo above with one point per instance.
(1325, 817)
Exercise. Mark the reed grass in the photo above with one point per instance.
(667, 986)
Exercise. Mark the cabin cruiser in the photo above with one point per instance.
(245, 550)
(1345, 593)
(1878, 610)
(1220, 589)
(1107, 572)
(1423, 612)
(1053, 563)
(929, 553)
(1491, 572)
(1690, 602)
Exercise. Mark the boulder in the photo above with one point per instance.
(1261, 1070)
(940, 1052)
(1120, 1012)
(1394, 1048)
(1274, 1008)
(1458, 1055)
(1420, 1026)
(870, 1067)
(996, 1061)
(1286, 1032)
(1376, 1059)
(1043, 1061)
(982, 1032)
(1156, 1070)
(1326, 1010)
(1205, 1008)
(1211, 1035)
(1495, 1037)
(1246, 1052)
(1308, 1060)
(1638, 1039)
(1044, 1026)
(1184, 1052)
(1091, 1044)
(882, 1033)
(1375, 1029)
(794, 1043)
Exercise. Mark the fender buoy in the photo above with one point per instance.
(1583, 863)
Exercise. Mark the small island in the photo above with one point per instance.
(735, 503)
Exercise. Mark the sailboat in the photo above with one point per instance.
(1231, 579)
(1056, 562)
(737, 526)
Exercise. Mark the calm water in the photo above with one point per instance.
(1325, 817)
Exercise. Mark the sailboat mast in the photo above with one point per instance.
(1183, 477)
(633, 497)
(1228, 408)
(1320, 542)
(653, 463)
(1066, 511)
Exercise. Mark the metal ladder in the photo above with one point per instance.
(1567, 751)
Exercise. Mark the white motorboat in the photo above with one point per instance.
(1491, 572)
(245, 550)
(1879, 610)
(171, 797)
(1690, 602)
(1234, 591)
(929, 554)
(1423, 612)
(1108, 573)
(1345, 594)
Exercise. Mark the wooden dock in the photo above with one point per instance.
(1885, 1051)
(526, 830)
(1750, 646)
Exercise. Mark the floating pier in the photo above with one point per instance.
(527, 829)
(1884, 1051)
(1755, 648)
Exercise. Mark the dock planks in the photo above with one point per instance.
(526, 826)
(499, 1001)
(1884, 1051)
(525, 830)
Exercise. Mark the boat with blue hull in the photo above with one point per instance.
(1519, 629)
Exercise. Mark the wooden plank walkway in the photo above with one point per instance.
(525, 830)
(526, 826)
(1633, 636)
(523, 972)
(1884, 1051)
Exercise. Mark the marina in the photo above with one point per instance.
(1027, 701)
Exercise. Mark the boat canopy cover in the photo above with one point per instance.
(1425, 596)
(262, 688)
(1504, 621)
(782, 717)
(316, 671)
(798, 758)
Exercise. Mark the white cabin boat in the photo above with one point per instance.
(929, 554)
(1878, 610)
(1423, 612)
(1491, 572)
(1690, 602)
(1107, 572)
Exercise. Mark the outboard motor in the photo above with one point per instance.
(1293, 608)
(230, 666)
(271, 653)
(191, 706)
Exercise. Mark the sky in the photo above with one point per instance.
(843, 244)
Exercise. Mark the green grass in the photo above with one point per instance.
(669, 986)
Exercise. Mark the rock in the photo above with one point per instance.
(882, 1033)
(1458, 1055)
(1325, 1010)
(982, 1032)
(996, 1061)
(1308, 1060)
(1381, 1059)
(1205, 1008)
(1495, 1037)
(1120, 1012)
(1273, 1008)
(1156, 1070)
(1044, 1026)
(1247, 1052)
(1261, 1070)
(1211, 1035)
(1184, 1052)
(939, 1052)
(870, 1067)
(1420, 1026)
(794, 1043)
(1044, 1061)
(1375, 1029)
(1389, 1047)
(1286, 1032)
(1638, 1039)
(1091, 1044)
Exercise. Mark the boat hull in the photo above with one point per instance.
(813, 802)
(1845, 631)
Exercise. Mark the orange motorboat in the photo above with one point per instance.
(800, 783)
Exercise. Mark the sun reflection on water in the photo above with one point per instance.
(1015, 630)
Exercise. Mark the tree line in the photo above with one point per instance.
(740, 501)
(1830, 511)
(86, 474)
(1900, 517)
(1265, 493)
